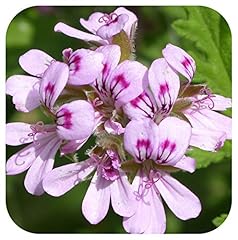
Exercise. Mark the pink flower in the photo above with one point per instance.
(157, 148)
(102, 26)
(161, 97)
(109, 183)
(116, 85)
(74, 120)
(36, 62)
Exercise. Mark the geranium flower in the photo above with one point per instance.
(109, 183)
(162, 98)
(156, 149)
(36, 62)
(102, 26)
(74, 120)
(117, 85)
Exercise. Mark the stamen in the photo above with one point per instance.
(39, 127)
(201, 103)
(144, 187)
(108, 18)
(19, 163)
(21, 155)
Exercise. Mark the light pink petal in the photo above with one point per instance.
(113, 127)
(141, 139)
(122, 197)
(174, 137)
(18, 133)
(112, 54)
(112, 28)
(97, 199)
(126, 82)
(164, 84)
(221, 103)
(209, 119)
(187, 164)
(93, 23)
(143, 106)
(215, 102)
(179, 60)
(72, 146)
(75, 33)
(62, 179)
(53, 83)
(75, 120)
(35, 62)
(22, 160)
(208, 140)
(42, 165)
(25, 92)
(140, 221)
(157, 218)
(84, 66)
(180, 200)
(131, 21)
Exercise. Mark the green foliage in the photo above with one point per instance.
(204, 158)
(20, 33)
(212, 52)
(219, 220)
(211, 37)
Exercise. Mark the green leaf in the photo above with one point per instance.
(211, 37)
(204, 158)
(219, 220)
(20, 33)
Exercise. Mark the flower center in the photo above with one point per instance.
(108, 164)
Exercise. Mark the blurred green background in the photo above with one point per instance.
(33, 28)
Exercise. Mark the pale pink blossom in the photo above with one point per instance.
(109, 184)
(73, 121)
(155, 147)
(210, 128)
(117, 85)
(35, 62)
(102, 26)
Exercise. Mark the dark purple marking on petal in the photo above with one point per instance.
(144, 144)
(105, 73)
(119, 81)
(74, 63)
(49, 88)
(64, 117)
(172, 147)
(66, 54)
(163, 91)
(166, 145)
(49, 93)
(144, 104)
(187, 63)
(164, 88)
(135, 102)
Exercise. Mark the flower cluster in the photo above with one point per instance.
(144, 120)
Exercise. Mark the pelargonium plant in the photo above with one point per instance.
(144, 120)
